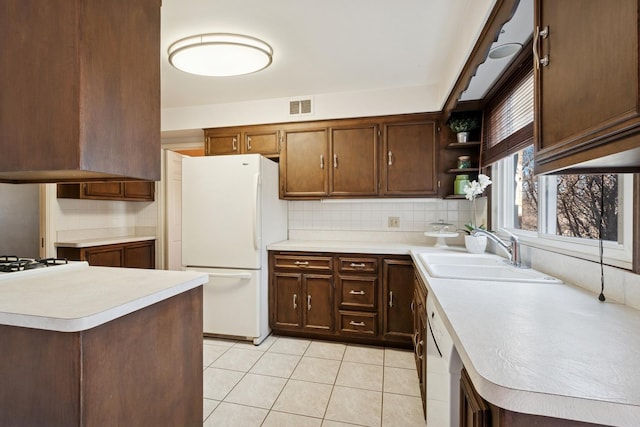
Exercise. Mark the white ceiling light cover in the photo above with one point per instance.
(220, 54)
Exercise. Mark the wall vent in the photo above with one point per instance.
(300, 106)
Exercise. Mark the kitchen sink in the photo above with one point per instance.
(482, 267)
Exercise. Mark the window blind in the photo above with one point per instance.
(509, 117)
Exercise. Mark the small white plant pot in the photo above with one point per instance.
(475, 244)
(463, 136)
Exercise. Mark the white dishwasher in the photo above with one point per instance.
(443, 372)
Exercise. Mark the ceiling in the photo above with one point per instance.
(328, 46)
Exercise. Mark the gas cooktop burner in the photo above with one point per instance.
(11, 263)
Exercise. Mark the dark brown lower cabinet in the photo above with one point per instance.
(474, 411)
(128, 255)
(366, 299)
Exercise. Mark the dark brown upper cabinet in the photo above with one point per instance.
(587, 102)
(80, 90)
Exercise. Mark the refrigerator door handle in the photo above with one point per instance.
(244, 276)
(256, 188)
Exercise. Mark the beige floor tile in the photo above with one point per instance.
(281, 419)
(326, 350)
(402, 411)
(399, 358)
(208, 405)
(217, 383)
(232, 415)
(352, 405)
(256, 390)
(290, 346)
(317, 370)
(218, 342)
(237, 359)
(360, 375)
(211, 352)
(304, 398)
(371, 355)
(401, 381)
(276, 364)
(329, 423)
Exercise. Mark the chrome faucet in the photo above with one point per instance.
(513, 249)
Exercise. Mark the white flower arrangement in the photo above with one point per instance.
(471, 191)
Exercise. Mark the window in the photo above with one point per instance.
(563, 212)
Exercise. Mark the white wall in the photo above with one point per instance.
(325, 106)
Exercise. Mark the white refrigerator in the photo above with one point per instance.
(230, 213)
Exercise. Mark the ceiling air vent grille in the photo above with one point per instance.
(300, 106)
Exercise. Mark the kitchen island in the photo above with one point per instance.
(94, 346)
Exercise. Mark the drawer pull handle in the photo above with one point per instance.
(420, 346)
(295, 301)
(352, 292)
(413, 306)
(390, 158)
(248, 143)
(321, 161)
(308, 302)
(390, 298)
(352, 323)
(354, 265)
(234, 145)
(301, 263)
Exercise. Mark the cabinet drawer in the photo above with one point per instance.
(297, 262)
(362, 265)
(356, 322)
(358, 293)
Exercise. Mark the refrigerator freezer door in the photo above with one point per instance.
(221, 211)
(231, 303)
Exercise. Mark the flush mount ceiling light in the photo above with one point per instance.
(504, 50)
(220, 54)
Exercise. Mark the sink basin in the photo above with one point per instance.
(484, 267)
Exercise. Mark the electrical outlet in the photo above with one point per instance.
(394, 222)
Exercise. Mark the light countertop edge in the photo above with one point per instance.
(102, 241)
(167, 285)
(336, 246)
(601, 410)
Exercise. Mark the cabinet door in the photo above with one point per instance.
(354, 155)
(474, 411)
(287, 300)
(106, 256)
(139, 190)
(587, 96)
(318, 307)
(217, 143)
(140, 255)
(304, 164)
(261, 142)
(102, 190)
(397, 284)
(409, 153)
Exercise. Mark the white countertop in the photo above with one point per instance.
(86, 243)
(545, 349)
(77, 297)
(345, 247)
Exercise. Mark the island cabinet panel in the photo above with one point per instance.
(309, 297)
(121, 373)
(587, 103)
(409, 166)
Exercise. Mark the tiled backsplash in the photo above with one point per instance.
(373, 215)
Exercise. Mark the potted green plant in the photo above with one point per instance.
(462, 123)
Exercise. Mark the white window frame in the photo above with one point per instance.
(617, 254)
